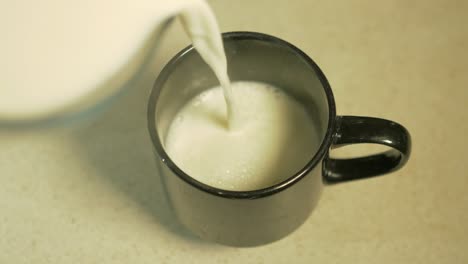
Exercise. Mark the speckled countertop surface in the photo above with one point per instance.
(90, 193)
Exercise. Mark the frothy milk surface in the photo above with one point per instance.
(275, 139)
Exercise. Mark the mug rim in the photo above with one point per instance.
(251, 194)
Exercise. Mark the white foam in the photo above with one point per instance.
(274, 139)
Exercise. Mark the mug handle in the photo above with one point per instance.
(357, 129)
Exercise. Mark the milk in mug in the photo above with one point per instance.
(275, 137)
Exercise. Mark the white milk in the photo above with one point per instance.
(59, 56)
(207, 41)
(275, 140)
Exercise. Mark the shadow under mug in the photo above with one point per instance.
(250, 218)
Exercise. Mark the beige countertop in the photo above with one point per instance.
(90, 193)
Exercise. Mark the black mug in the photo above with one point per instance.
(251, 218)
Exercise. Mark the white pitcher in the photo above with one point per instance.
(63, 57)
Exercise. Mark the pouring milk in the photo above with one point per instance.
(58, 56)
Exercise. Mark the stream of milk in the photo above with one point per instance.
(56, 55)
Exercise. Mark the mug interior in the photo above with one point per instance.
(254, 57)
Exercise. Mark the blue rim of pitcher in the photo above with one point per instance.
(250, 194)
